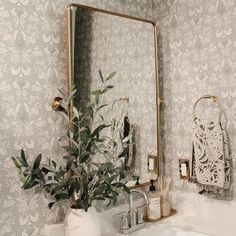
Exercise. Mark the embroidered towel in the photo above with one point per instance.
(211, 159)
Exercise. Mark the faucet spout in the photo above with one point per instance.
(131, 199)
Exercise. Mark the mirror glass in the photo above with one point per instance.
(106, 42)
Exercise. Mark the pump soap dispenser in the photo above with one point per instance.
(154, 209)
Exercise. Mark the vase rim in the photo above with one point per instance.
(75, 209)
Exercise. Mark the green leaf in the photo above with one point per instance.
(78, 204)
(77, 188)
(124, 153)
(99, 198)
(109, 203)
(22, 159)
(30, 182)
(55, 190)
(101, 76)
(85, 156)
(16, 163)
(105, 179)
(85, 203)
(99, 129)
(72, 87)
(102, 118)
(46, 170)
(97, 97)
(50, 205)
(97, 92)
(72, 94)
(54, 163)
(72, 189)
(114, 188)
(22, 177)
(100, 107)
(69, 163)
(50, 182)
(123, 186)
(76, 113)
(110, 76)
(37, 174)
(114, 196)
(107, 88)
(26, 181)
(60, 174)
(61, 196)
(37, 161)
(112, 178)
(70, 134)
(68, 148)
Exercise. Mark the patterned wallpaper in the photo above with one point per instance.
(197, 56)
(32, 66)
(197, 44)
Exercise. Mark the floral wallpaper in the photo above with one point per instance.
(197, 47)
(197, 56)
(33, 64)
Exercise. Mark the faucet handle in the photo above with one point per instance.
(133, 218)
(124, 222)
(140, 215)
(120, 215)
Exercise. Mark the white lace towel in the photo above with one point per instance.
(211, 160)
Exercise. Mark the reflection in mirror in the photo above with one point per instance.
(102, 43)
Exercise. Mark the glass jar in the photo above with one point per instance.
(165, 205)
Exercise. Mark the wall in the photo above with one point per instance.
(197, 57)
(33, 65)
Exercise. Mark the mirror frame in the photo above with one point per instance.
(158, 98)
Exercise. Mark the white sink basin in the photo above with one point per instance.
(176, 231)
(161, 230)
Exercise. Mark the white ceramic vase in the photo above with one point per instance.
(81, 223)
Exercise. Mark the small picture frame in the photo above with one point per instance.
(184, 169)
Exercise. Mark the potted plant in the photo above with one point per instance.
(79, 179)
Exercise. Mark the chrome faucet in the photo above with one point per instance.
(131, 198)
(133, 219)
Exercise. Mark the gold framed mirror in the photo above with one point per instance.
(104, 41)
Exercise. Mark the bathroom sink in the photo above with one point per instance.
(176, 231)
(161, 230)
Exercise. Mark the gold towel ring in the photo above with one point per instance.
(213, 97)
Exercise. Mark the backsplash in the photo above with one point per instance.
(33, 65)
(197, 57)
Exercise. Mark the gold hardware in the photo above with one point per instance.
(56, 104)
(208, 96)
(160, 101)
